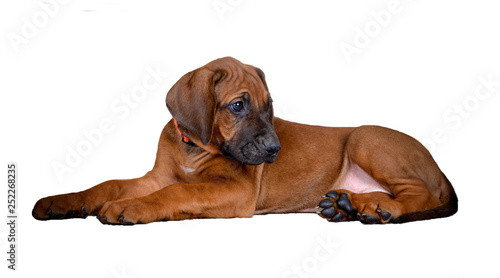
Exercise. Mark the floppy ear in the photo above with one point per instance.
(262, 76)
(192, 102)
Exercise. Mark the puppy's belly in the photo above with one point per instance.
(358, 181)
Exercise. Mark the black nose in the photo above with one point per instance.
(272, 150)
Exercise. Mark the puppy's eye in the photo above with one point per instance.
(237, 106)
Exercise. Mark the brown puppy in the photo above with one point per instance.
(218, 157)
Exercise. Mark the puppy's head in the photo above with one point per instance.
(225, 105)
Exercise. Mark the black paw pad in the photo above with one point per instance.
(326, 203)
(71, 214)
(372, 219)
(328, 212)
(345, 204)
(368, 219)
(332, 194)
(385, 215)
(54, 215)
(122, 220)
(338, 217)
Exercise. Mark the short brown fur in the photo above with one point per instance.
(198, 180)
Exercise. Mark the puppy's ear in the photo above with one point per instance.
(262, 76)
(192, 102)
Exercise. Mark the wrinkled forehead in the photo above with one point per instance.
(239, 80)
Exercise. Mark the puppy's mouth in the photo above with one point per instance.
(251, 153)
(258, 154)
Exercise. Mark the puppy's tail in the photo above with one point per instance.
(448, 208)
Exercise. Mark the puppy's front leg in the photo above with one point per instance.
(183, 201)
(90, 201)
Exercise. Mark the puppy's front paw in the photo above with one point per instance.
(125, 212)
(63, 206)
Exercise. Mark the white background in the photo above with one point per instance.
(414, 72)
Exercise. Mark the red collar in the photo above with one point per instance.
(183, 138)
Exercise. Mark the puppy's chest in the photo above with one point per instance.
(188, 171)
(206, 168)
(191, 173)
